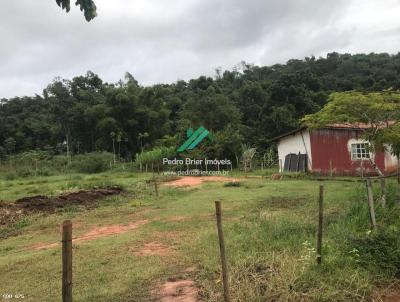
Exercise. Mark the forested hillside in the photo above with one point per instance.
(250, 105)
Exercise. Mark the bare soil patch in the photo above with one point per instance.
(98, 232)
(154, 249)
(10, 212)
(387, 295)
(394, 297)
(192, 181)
(177, 291)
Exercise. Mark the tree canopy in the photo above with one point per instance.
(377, 114)
(87, 6)
(247, 105)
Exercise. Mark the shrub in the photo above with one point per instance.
(92, 162)
(25, 172)
(380, 249)
(11, 176)
(377, 250)
(233, 184)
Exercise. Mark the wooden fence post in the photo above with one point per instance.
(222, 251)
(155, 184)
(67, 261)
(371, 203)
(320, 222)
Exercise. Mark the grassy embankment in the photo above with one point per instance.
(269, 228)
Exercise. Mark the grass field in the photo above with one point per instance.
(269, 230)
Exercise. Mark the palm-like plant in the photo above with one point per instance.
(248, 154)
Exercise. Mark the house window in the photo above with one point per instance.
(360, 151)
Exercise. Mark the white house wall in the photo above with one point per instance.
(295, 143)
(390, 161)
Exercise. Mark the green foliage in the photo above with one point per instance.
(375, 109)
(87, 6)
(153, 158)
(92, 162)
(9, 145)
(248, 154)
(379, 111)
(233, 184)
(250, 104)
(379, 250)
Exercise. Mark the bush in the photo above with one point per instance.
(233, 184)
(92, 162)
(377, 250)
(380, 249)
(25, 172)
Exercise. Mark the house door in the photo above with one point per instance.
(295, 163)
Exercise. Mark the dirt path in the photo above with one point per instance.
(97, 232)
(154, 248)
(190, 181)
(177, 291)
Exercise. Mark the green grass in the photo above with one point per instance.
(269, 231)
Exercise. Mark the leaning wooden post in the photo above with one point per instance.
(222, 250)
(320, 222)
(67, 261)
(371, 203)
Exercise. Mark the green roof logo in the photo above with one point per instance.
(194, 138)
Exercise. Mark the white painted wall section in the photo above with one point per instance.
(295, 143)
(391, 161)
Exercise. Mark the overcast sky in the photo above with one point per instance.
(161, 41)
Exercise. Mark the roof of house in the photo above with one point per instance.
(341, 126)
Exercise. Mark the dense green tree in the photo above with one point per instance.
(249, 104)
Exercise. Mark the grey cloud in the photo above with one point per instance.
(162, 41)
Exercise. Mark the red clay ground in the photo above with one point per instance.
(177, 291)
(154, 249)
(190, 181)
(97, 232)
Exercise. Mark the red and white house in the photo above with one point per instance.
(336, 149)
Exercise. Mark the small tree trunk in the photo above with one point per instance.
(398, 169)
(383, 191)
(371, 204)
(114, 150)
(68, 155)
(382, 180)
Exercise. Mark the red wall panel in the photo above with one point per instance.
(330, 146)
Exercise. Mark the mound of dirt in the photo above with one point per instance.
(10, 212)
(177, 291)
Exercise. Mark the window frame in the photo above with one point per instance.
(360, 151)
